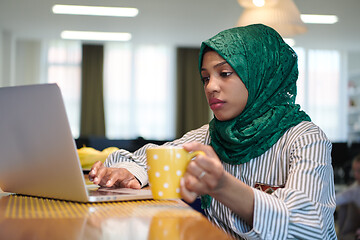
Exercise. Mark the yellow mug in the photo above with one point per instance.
(166, 165)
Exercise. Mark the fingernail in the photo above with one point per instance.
(96, 179)
(108, 183)
(91, 172)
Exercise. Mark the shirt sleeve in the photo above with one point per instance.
(304, 208)
(136, 162)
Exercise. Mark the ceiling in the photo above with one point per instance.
(184, 22)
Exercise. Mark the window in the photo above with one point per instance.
(319, 91)
(138, 91)
(138, 88)
(64, 68)
(140, 96)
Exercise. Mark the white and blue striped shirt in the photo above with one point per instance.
(300, 162)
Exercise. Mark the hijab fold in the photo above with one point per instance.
(268, 68)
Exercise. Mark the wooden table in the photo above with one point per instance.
(23, 217)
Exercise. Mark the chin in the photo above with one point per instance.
(222, 118)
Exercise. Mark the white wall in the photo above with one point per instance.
(1, 56)
(27, 62)
(354, 62)
(20, 60)
(8, 58)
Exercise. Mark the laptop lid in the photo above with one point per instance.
(38, 154)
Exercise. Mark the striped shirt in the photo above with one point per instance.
(299, 164)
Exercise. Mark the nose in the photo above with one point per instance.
(212, 85)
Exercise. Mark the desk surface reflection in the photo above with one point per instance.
(23, 217)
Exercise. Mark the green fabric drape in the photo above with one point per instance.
(192, 107)
(92, 103)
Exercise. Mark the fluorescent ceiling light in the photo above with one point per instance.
(319, 19)
(96, 36)
(95, 10)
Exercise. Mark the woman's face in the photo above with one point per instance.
(226, 93)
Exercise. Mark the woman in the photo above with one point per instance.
(267, 171)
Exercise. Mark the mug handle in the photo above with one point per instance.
(192, 155)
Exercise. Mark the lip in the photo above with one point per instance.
(215, 103)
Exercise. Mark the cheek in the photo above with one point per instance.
(244, 95)
(207, 94)
(240, 96)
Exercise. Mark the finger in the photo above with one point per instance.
(196, 146)
(209, 163)
(194, 169)
(95, 168)
(133, 183)
(187, 195)
(126, 182)
(205, 175)
(202, 166)
(122, 178)
(193, 184)
(112, 179)
(117, 176)
(99, 177)
(192, 146)
(209, 175)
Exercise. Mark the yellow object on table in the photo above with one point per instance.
(88, 155)
(166, 166)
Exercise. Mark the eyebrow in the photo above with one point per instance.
(217, 65)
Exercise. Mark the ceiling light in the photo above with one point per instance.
(95, 10)
(259, 3)
(283, 16)
(319, 19)
(96, 36)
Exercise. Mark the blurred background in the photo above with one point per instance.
(146, 85)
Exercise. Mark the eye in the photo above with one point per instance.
(205, 79)
(225, 74)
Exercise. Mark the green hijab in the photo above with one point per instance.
(268, 68)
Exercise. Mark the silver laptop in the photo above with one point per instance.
(38, 155)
